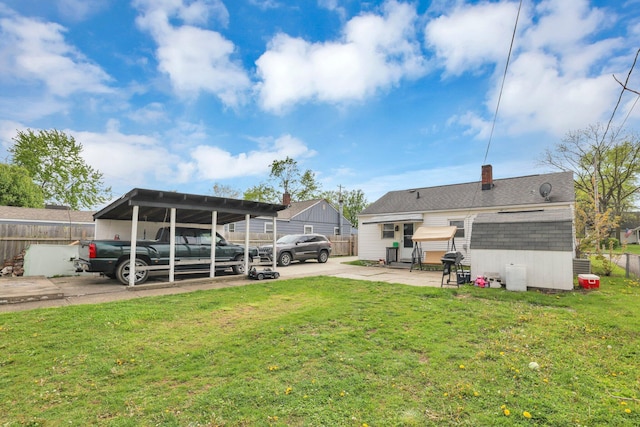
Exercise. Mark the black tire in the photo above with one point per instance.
(260, 276)
(238, 268)
(323, 256)
(285, 259)
(122, 272)
(276, 275)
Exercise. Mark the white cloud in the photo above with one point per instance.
(134, 160)
(127, 160)
(36, 51)
(195, 59)
(472, 36)
(79, 10)
(375, 52)
(334, 6)
(558, 78)
(537, 96)
(153, 112)
(215, 163)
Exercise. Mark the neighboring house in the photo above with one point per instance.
(392, 220)
(311, 216)
(20, 227)
(630, 228)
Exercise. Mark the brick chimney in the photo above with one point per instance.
(286, 199)
(487, 177)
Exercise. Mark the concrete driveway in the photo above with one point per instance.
(26, 293)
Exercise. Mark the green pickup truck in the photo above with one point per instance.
(192, 254)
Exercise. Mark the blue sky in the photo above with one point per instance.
(378, 95)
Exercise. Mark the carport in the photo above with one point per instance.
(156, 206)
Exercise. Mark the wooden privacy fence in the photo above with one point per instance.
(15, 237)
(340, 245)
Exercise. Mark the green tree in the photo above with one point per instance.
(605, 167)
(353, 202)
(285, 177)
(262, 192)
(54, 161)
(18, 189)
(222, 190)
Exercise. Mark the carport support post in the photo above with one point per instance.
(274, 254)
(246, 244)
(134, 238)
(214, 238)
(172, 246)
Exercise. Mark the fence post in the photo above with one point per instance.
(626, 270)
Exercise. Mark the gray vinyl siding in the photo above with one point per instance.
(322, 217)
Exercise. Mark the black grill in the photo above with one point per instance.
(452, 258)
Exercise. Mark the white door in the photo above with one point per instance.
(406, 244)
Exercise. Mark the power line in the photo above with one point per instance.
(504, 77)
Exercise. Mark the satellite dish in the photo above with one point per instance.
(545, 190)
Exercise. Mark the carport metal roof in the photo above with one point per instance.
(190, 208)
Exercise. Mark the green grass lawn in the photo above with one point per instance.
(328, 352)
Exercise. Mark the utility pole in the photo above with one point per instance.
(340, 204)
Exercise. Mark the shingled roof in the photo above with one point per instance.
(296, 208)
(12, 213)
(505, 193)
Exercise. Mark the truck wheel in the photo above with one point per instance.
(238, 268)
(323, 257)
(260, 276)
(285, 259)
(123, 270)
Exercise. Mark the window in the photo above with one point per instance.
(205, 238)
(388, 231)
(460, 225)
(308, 229)
(268, 227)
(336, 231)
(232, 227)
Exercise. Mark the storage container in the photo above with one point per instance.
(516, 277)
(588, 281)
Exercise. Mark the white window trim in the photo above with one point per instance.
(268, 227)
(308, 229)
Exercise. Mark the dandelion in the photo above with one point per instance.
(476, 394)
(545, 380)
(502, 353)
(446, 394)
(288, 390)
(506, 412)
(503, 406)
(526, 414)
(461, 366)
(627, 410)
(623, 403)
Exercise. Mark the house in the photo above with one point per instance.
(311, 216)
(392, 220)
(629, 228)
(21, 227)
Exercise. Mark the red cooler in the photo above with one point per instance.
(588, 281)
